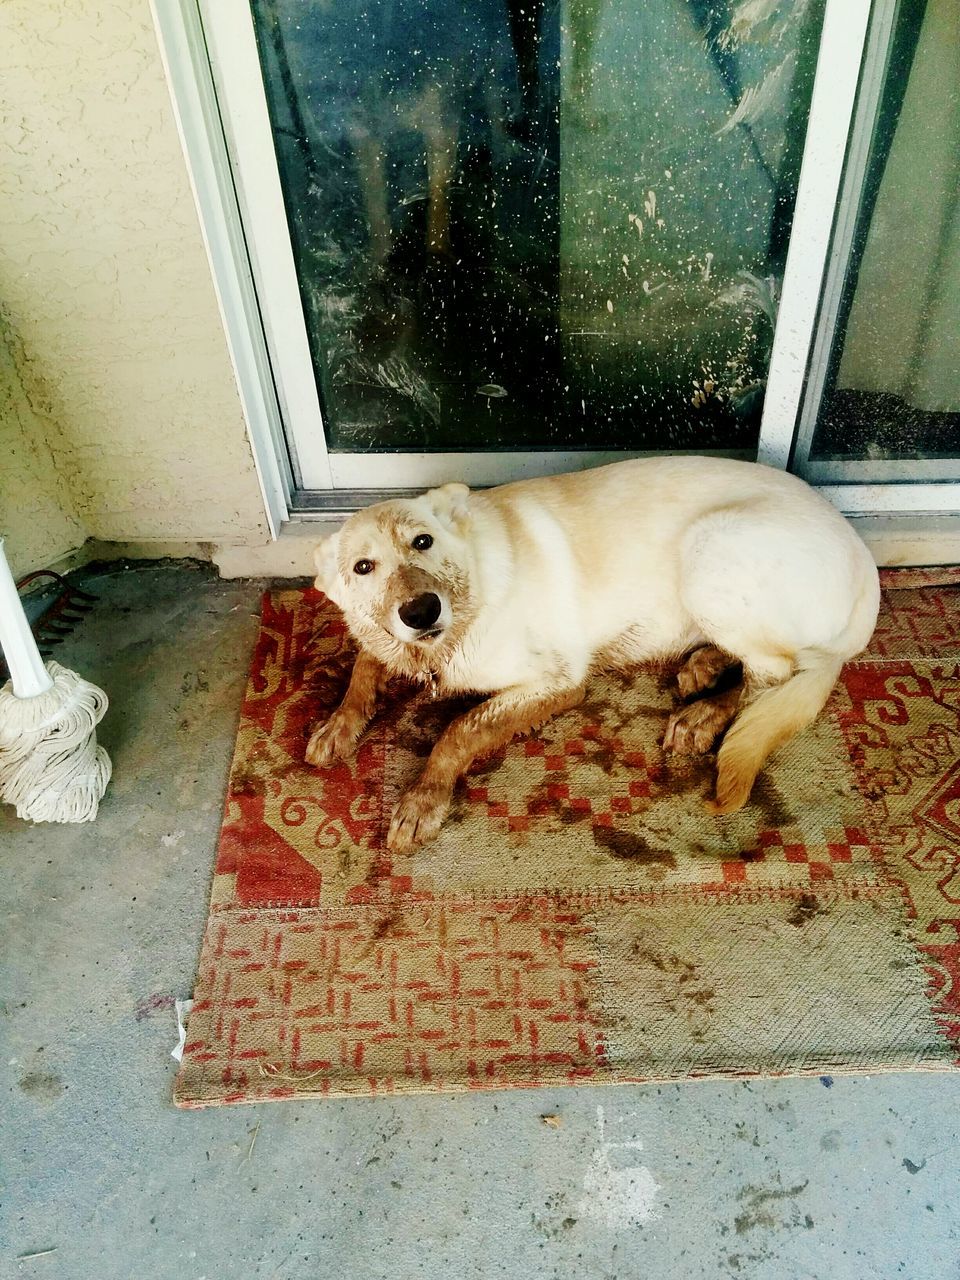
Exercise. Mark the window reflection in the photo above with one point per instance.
(521, 224)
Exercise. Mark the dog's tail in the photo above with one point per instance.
(766, 723)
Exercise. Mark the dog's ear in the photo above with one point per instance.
(325, 558)
(451, 505)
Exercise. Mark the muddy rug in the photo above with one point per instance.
(581, 917)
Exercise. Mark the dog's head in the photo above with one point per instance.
(403, 568)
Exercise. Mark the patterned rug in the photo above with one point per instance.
(581, 917)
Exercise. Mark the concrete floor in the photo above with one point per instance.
(787, 1179)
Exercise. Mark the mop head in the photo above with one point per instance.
(51, 768)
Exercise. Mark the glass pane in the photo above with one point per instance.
(893, 387)
(536, 224)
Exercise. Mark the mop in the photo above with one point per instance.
(51, 768)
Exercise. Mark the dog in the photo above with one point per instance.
(519, 592)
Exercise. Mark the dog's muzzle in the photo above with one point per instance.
(420, 613)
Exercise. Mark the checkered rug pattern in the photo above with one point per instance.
(581, 917)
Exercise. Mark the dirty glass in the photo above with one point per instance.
(535, 224)
(893, 386)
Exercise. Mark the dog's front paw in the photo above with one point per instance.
(417, 818)
(336, 739)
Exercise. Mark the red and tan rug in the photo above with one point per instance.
(581, 917)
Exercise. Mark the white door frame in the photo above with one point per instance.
(836, 151)
(842, 42)
(197, 113)
(226, 136)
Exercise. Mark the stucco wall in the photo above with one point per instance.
(37, 516)
(105, 282)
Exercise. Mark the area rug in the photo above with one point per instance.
(581, 917)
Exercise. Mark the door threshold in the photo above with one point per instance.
(910, 541)
(895, 541)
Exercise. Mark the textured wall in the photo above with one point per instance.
(105, 282)
(37, 516)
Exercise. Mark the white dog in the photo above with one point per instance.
(519, 591)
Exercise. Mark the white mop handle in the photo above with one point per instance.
(27, 671)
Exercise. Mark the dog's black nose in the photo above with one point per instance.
(421, 612)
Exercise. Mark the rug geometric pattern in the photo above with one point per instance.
(581, 916)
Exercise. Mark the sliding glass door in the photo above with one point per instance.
(494, 238)
(525, 235)
(883, 397)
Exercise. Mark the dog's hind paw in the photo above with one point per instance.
(694, 729)
(702, 669)
(690, 732)
(336, 739)
(417, 819)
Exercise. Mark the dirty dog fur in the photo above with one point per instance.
(519, 592)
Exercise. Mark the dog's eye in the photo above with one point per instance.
(422, 542)
(363, 566)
